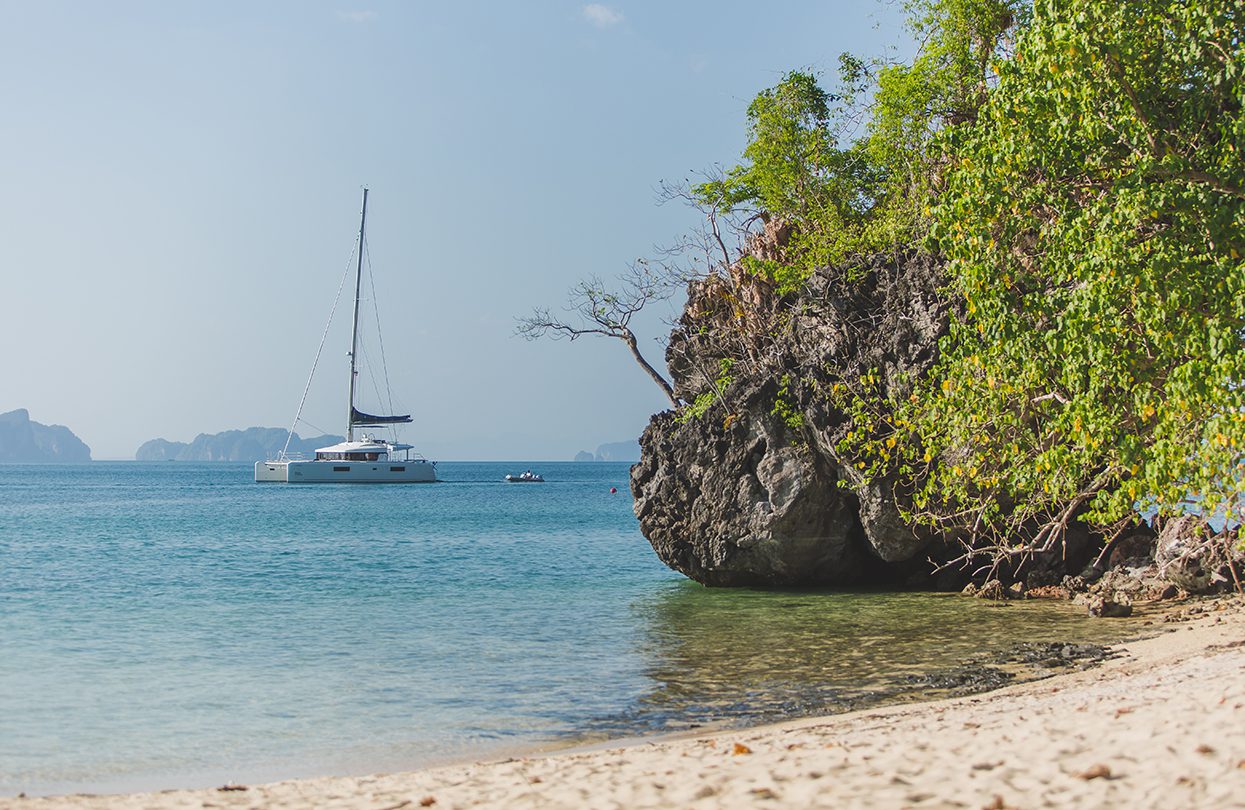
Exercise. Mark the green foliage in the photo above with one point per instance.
(783, 408)
(874, 429)
(1080, 166)
(869, 194)
(706, 399)
(1094, 218)
(944, 85)
(796, 173)
(790, 150)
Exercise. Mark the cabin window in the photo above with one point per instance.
(341, 469)
(397, 469)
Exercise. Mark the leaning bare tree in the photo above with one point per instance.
(596, 310)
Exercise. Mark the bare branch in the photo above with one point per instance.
(595, 309)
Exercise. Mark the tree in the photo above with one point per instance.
(1094, 222)
(841, 190)
(601, 311)
(944, 86)
(794, 173)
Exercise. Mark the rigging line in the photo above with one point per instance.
(323, 432)
(364, 351)
(299, 414)
(365, 365)
(371, 280)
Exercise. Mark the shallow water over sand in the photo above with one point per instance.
(178, 625)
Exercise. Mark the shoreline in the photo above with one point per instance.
(1162, 723)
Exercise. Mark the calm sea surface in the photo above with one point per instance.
(172, 624)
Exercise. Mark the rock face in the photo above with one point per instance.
(751, 490)
(252, 444)
(22, 440)
(1192, 555)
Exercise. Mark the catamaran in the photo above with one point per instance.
(366, 460)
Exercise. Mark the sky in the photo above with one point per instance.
(180, 190)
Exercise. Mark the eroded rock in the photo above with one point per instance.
(1191, 555)
(752, 490)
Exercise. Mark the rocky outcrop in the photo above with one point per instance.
(1195, 557)
(746, 486)
(23, 440)
(252, 444)
(733, 502)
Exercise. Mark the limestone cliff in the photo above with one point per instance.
(745, 485)
(752, 491)
(24, 440)
(252, 444)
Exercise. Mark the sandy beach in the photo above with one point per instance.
(1162, 724)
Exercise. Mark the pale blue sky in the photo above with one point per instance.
(180, 183)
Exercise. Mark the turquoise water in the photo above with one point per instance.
(177, 624)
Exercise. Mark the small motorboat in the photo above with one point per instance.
(528, 477)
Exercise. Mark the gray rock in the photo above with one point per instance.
(754, 493)
(1108, 608)
(1193, 557)
(725, 510)
(993, 590)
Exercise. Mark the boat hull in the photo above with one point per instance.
(346, 472)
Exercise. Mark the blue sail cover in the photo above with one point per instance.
(358, 417)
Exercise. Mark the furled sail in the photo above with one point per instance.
(358, 417)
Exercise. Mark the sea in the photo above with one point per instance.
(177, 625)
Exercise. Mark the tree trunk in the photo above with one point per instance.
(629, 338)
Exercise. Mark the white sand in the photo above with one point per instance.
(1163, 725)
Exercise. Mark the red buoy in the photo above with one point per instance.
(613, 490)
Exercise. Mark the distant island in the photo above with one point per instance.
(24, 441)
(252, 444)
(616, 451)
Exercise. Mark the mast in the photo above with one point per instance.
(354, 332)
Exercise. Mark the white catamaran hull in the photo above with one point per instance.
(415, 471)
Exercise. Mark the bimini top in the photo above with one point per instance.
(368, 449)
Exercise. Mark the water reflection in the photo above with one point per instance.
(748, 656)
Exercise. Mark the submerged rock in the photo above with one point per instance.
(992, 590)
(1109, 608)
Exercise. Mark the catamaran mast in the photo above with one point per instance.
(354, 333)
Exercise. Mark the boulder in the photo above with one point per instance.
(1191, 555)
